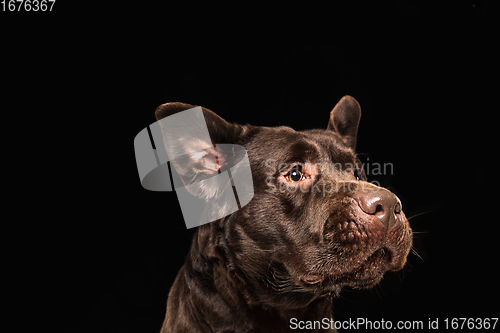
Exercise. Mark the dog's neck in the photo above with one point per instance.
(210, 266)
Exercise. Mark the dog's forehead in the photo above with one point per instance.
(330, 145)
(284, 144)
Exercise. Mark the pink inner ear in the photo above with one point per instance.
(206, 155)
(212, 161)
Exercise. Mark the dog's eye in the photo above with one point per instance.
(295, 174)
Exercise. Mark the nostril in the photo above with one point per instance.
(379, 210)
(397, 208)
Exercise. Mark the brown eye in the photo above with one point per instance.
(295, 174)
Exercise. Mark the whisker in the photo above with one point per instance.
(418, 214)
(401, 277)
(381, 290)
(414, 251)
(407, 267)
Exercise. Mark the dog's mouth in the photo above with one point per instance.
(366, 274)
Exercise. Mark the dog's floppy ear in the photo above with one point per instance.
(169, 109)
(344, 119)
(220, 130)
(199, 144)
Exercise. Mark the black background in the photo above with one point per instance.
(89, 81)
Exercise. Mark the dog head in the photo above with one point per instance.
(314, 224)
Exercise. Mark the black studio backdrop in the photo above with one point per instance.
(427, 95)
(425, 111)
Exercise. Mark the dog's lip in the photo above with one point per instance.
(366, 272)
(313, 279)
(376, 260)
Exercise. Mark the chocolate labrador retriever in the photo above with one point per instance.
(313, 226)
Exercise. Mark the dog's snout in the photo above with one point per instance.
(382, 204)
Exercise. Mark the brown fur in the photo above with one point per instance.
(290, 250)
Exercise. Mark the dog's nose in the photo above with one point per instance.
(382, 204)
